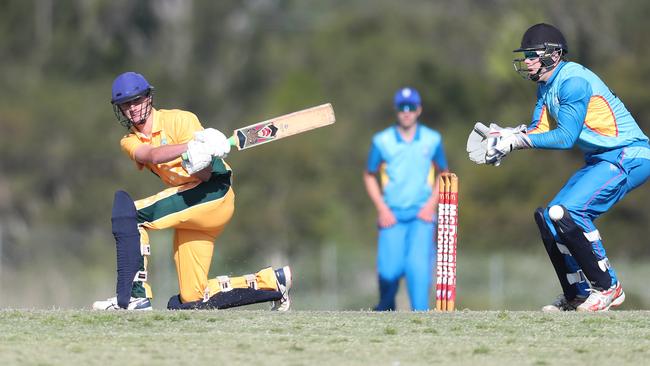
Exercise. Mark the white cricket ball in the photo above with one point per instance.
(556, 212)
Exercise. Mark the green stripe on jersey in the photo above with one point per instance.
(214, 189)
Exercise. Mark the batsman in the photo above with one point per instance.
(197, 205)
(574, 108)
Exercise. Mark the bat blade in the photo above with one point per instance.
(283, 126)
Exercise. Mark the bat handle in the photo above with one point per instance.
(232, 140)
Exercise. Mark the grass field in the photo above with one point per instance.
(245, 337)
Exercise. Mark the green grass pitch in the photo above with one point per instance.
(255, 337)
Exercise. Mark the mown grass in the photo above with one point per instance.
(241, 337)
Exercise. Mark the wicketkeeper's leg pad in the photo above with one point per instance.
(127, 242)
(556, 256)
(226, 299)
(579, 243)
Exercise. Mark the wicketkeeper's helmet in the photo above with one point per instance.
(541, 40)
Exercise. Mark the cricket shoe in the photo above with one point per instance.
(284, 281)
(562, 304)
(136, 303)
(603, 300)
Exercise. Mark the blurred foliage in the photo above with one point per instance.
(237, 62)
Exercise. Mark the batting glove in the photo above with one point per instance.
(217, 141)
(197, 157)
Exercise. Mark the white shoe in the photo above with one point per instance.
(603, 300)
(562, 304)
(136, 303)
(283, 277)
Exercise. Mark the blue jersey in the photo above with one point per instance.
(575, 107)
(406, 169)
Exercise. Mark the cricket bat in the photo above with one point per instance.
(282, 126)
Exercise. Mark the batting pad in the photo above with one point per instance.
(127, 243)
(224, 300)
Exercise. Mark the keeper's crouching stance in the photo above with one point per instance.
(197, 206)
(574, 108)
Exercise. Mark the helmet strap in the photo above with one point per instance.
(547, 63)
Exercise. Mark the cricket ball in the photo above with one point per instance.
(556, 212)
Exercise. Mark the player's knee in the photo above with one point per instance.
(563, 220)
(565, 210)
(580, 244)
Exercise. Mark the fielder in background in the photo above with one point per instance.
(401, 180)
(574, 107)
(197, 205)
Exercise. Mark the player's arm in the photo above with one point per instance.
(385, 216)
(575, 94)
(430, 208)
(147, 154)
(537, 124)
(428, 211)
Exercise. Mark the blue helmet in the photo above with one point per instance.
(129, 86)
(407, 99)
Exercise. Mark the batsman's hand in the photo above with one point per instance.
(217, 141)
(501, 141)
(477, 143)
(197, 157)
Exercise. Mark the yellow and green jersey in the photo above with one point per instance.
(170, 126)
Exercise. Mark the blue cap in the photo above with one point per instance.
(407, 99)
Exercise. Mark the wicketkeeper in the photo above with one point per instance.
(574, 107)
(197, 205)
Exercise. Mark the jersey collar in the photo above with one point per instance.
(555, 72)
(399, 138)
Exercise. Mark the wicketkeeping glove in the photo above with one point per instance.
(217, 141)
(477, 143)
(501, 141)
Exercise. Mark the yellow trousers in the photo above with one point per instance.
(198, 213)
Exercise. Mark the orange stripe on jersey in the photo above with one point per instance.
(431, 178)
(383, 176)
(600, 117)
(544, 124)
